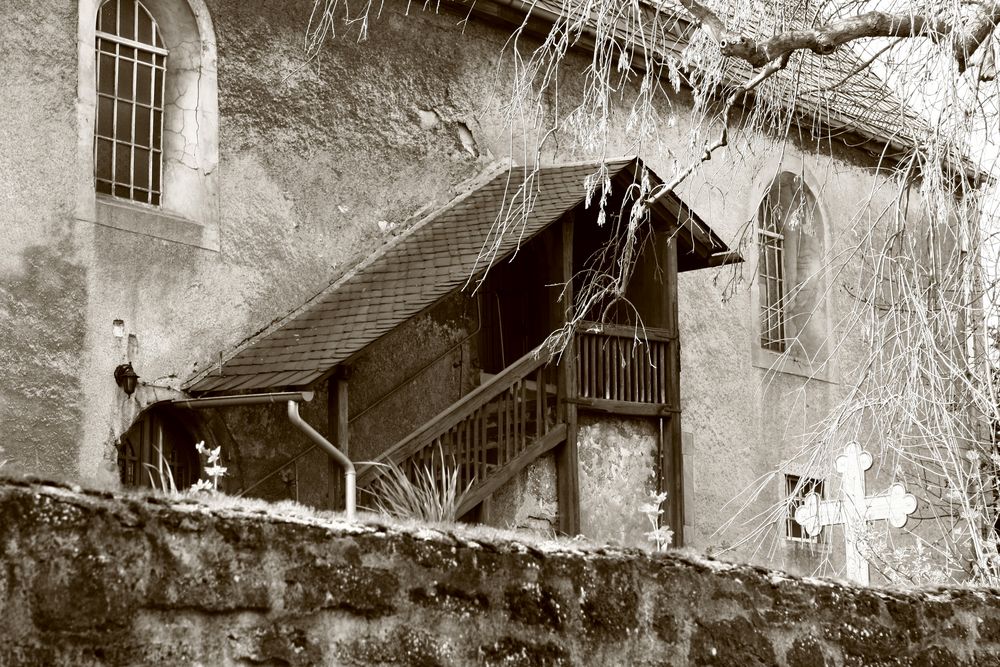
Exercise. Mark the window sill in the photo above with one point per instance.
(807, 548)
(778, 362)
(147, 221)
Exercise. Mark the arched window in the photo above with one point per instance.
(158, 452)
(149, 119)
(789, 270)
(131, 71)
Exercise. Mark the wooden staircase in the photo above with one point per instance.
(490, 434)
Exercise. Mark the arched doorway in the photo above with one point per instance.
(158, 451)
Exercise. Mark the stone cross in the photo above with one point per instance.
(854, 510)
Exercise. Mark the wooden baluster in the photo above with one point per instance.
(628, 357)
(539, 394)
(639, 371)
(592, 390)
(501, 424)
(459, 444)
(589, 380)
(639, 356)
(636, 371)
(595, 370)
(628, 370)
(463, 464)
(512, 444)
(601, 376)
(514, 421)
(525, 415)
(661, 372)
(623, 388)
(617, 360)
(470, 467)
(509, 403)
(613, 366)
(651, 380)
(480, 444)
(509, 416)
(470, 429)
(620, 368)
(665, 373)
(518, 411)
(647, 375)
(459, 455)
(484, 452)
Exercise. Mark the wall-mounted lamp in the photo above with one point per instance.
(126, 378)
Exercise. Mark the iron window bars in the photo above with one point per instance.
(770, 272)
(131, 68)
(796, 490)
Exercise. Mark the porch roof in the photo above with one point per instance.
(437, 255)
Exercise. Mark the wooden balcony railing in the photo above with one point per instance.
(625, 369)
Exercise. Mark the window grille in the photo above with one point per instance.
(796, 489)
(770, 271)
(131, 68)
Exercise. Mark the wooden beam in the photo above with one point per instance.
(632, 332)
(337, 419)
(567, 456)
(624, 407)
(670, 445)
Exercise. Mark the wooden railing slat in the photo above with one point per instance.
(539, 393)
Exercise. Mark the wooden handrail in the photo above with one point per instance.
(626, 331)
(458, 411)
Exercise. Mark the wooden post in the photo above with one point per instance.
(337, 419)
(671, 454)
(567, 458)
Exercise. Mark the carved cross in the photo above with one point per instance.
(854, 510)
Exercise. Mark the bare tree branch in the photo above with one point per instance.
(723, 140)
(825, 39)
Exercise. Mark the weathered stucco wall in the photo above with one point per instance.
(43, 298)
(742, 419)
(88, 579)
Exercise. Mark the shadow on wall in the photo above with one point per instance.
(42, 316)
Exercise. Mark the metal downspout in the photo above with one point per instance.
(350, 474)
(293, 398)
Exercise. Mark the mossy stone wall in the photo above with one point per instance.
(92, 578)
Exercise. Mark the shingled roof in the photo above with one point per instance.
(436, 256)
(833, 94)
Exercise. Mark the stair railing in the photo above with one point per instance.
(493, 426)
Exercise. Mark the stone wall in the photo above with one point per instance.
(91, 578)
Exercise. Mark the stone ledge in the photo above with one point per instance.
(155, 223)
(91, 578)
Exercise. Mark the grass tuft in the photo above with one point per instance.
(433, 494)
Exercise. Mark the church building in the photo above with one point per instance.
(211, 235)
